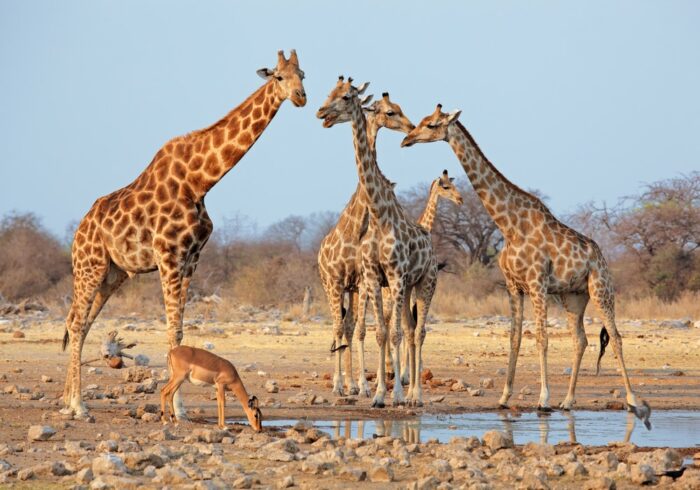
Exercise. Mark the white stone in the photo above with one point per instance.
(40, 432)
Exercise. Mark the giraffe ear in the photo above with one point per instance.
(264, 73)
(453, 116)
(452, 179)
(361, 89)
(366, 100)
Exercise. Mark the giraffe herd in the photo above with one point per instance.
(159, 222)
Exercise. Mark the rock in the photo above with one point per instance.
(18, 334)
(660, 461)
(381, 473)
(616, 394)
(352, 473)
(575, 469)
(161, 435)
(566, 371)
(460, 385)
(600, 483)
(249, 368)
(146, 408)
(615, 405)
(25, 474)
(243, 482)
(170, 475)
(501, 372)
(427, 483)
(209, 435)
(642, 474)
(458, 361)
(108, 464)
(139, 460)
(682, 323)
(40, 433)
(287, 481)
(56, 468)
(497, 440)
(4, 466)
(141, 360)
(486, 383)
(526, 390)
(440, 469)
(538, 450)
(136, 374)
(271, 386)
(108, 446)
(84, 476)
(271, 330)
(437, 399)
(426, 375)
(475, 391)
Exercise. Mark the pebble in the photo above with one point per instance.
(642, 474)
(108, 464)
(381, 473)
(497, 440)
(460, 385)
(46, 379)
(271, 386)
(486, 383)
(40, 432)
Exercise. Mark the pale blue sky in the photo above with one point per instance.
(582, 100)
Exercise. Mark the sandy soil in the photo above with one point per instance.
(663, 363)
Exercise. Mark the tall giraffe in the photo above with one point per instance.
(540, 256)
(400, 250)
(338, 253)
(159, 222)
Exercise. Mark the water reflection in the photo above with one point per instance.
(672, 428)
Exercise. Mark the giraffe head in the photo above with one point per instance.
(384, 113)
(432, 128)
(287, 78)
(343, 99)
(446, 188)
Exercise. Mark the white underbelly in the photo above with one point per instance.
(198, 382)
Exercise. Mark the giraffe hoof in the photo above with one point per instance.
(503, 406)
(544, 409)
(377, 404)
(353, 390)
(643, 413)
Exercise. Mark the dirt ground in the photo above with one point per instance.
(663, 363)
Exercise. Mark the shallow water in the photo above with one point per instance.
(671, 428)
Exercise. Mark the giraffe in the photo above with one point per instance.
(541, 256)
(442, 187)
(159, 222)
(337, 255)
(394, 247)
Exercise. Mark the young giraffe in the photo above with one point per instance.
(540, 256)
(399, 249)
(442, 187)
(159, 220)
(338, 258)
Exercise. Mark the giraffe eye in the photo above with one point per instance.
(390, 113)
(346, 97)
(432, 126)
(279, 78)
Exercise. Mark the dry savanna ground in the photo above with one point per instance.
(126, 446)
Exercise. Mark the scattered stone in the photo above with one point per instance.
(207, 346)
(501, 371)
(243, 482)
(136, 374)
(497, 440)
(566, 371)
(526, 390)
(437, 399)
(575, 469)
(486, 383)
(458, 361)
(353, 473)
(475, 391)
(460, 385)
(18, 334)
(287, 481)
(381, 473)
(46, 379)
(40, 433)
(642, 474)
(616, 394)
(25, 474)
(425, 376)
(271, 386)
(84, 476)
(108, 446)
(209, 435)
(615, 405)
(108, 464)
(170, 475)
(660, 461)
(600, 483)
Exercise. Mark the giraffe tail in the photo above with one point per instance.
(65, 340)
(604, 339)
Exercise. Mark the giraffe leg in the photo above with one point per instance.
(398, 293)
(538, 296)
(575, 305)
(374, 288)
(89, 280)
(349, 331)
(600, 289)
(407, 319)
(424, 296)
(114, 278)
(516, 329)
(361, 332)
(172, 278)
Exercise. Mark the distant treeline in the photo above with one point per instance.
(651, 241)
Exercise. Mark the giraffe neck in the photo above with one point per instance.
(428, 217)
(497, 193)
(371, 179)
(218, 148)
